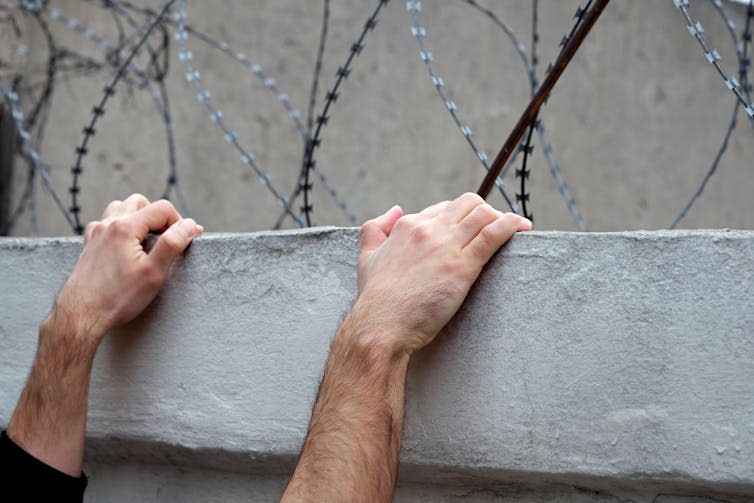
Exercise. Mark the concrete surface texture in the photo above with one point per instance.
(634, 122)
(583, 367)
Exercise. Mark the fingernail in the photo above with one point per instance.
(188, 227)
(200, 228)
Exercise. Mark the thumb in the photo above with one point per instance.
(374, 232)
(173, 242)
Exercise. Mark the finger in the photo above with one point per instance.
(375, 231)
(434, 210)
(459, 208)
(474, 222)
(133, 203)
(111, 209)
(156, 217)
(494, 235)
(173, 242)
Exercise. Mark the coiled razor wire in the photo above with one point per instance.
(159, 97)
(713, 57)
(315, 139)
(18, 118)
(745, 88)
(99, 110)
(419, 32)
(204, 97)
(152, 80)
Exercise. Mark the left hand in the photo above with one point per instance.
(115, 279)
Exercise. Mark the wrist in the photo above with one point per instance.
(65, 331)
(377, 335)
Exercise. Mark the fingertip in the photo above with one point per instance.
(395, 210)
(524, 225)
(189, 228)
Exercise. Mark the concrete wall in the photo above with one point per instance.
(635, 121)
(583, 367)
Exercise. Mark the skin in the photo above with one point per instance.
(414, 273)
(113, 281)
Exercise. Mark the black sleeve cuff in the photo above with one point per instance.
(25, 478)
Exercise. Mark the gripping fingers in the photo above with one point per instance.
(496, 234)
(111, 209)
(173, 242)
(157, 217)
(458, 209)
(375, 231)
(472, 225)
(134, 203)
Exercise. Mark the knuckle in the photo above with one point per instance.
(112, 206)
(405, 223)
(172, 242)
(165, 205)
(152, 275)
(420, 233)
(366, 227)
(471, 197)
(90, 229)
(136, 197)
(118, 227)
(487, 237)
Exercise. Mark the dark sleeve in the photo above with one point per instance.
(25, 478)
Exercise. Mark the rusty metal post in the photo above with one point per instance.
(7, 154)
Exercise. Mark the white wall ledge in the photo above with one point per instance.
(602, 360)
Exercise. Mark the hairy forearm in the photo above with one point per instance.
(352, 447)
(50, 419)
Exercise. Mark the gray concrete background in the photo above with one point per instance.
(635, 121)
(583, 367)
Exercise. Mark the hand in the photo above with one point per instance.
(115, 278)
(415, 271)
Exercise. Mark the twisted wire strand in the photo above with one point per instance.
(159, 99)
(530, 67)
(99, 110)
(330, 97)
(310, 124)
(38, 168)
(272, 86)
(743, 62)
(203, 97)
(695, 29)
(419, 33)
(536, 124)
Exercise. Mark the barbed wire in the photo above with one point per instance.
(149, 35)
(159, 97)
(530, 66)
(743, 67)
(99, 110)
(161, 100)
(309, 125)
(269, 84)
(216, 115)
(331, 96)
(713, 57)
(18, 117)
(419, 33)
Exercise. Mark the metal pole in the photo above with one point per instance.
(7, 153)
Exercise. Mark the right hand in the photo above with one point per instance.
(415, 271)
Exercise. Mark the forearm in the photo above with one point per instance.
(352, 447)
(49, 421)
